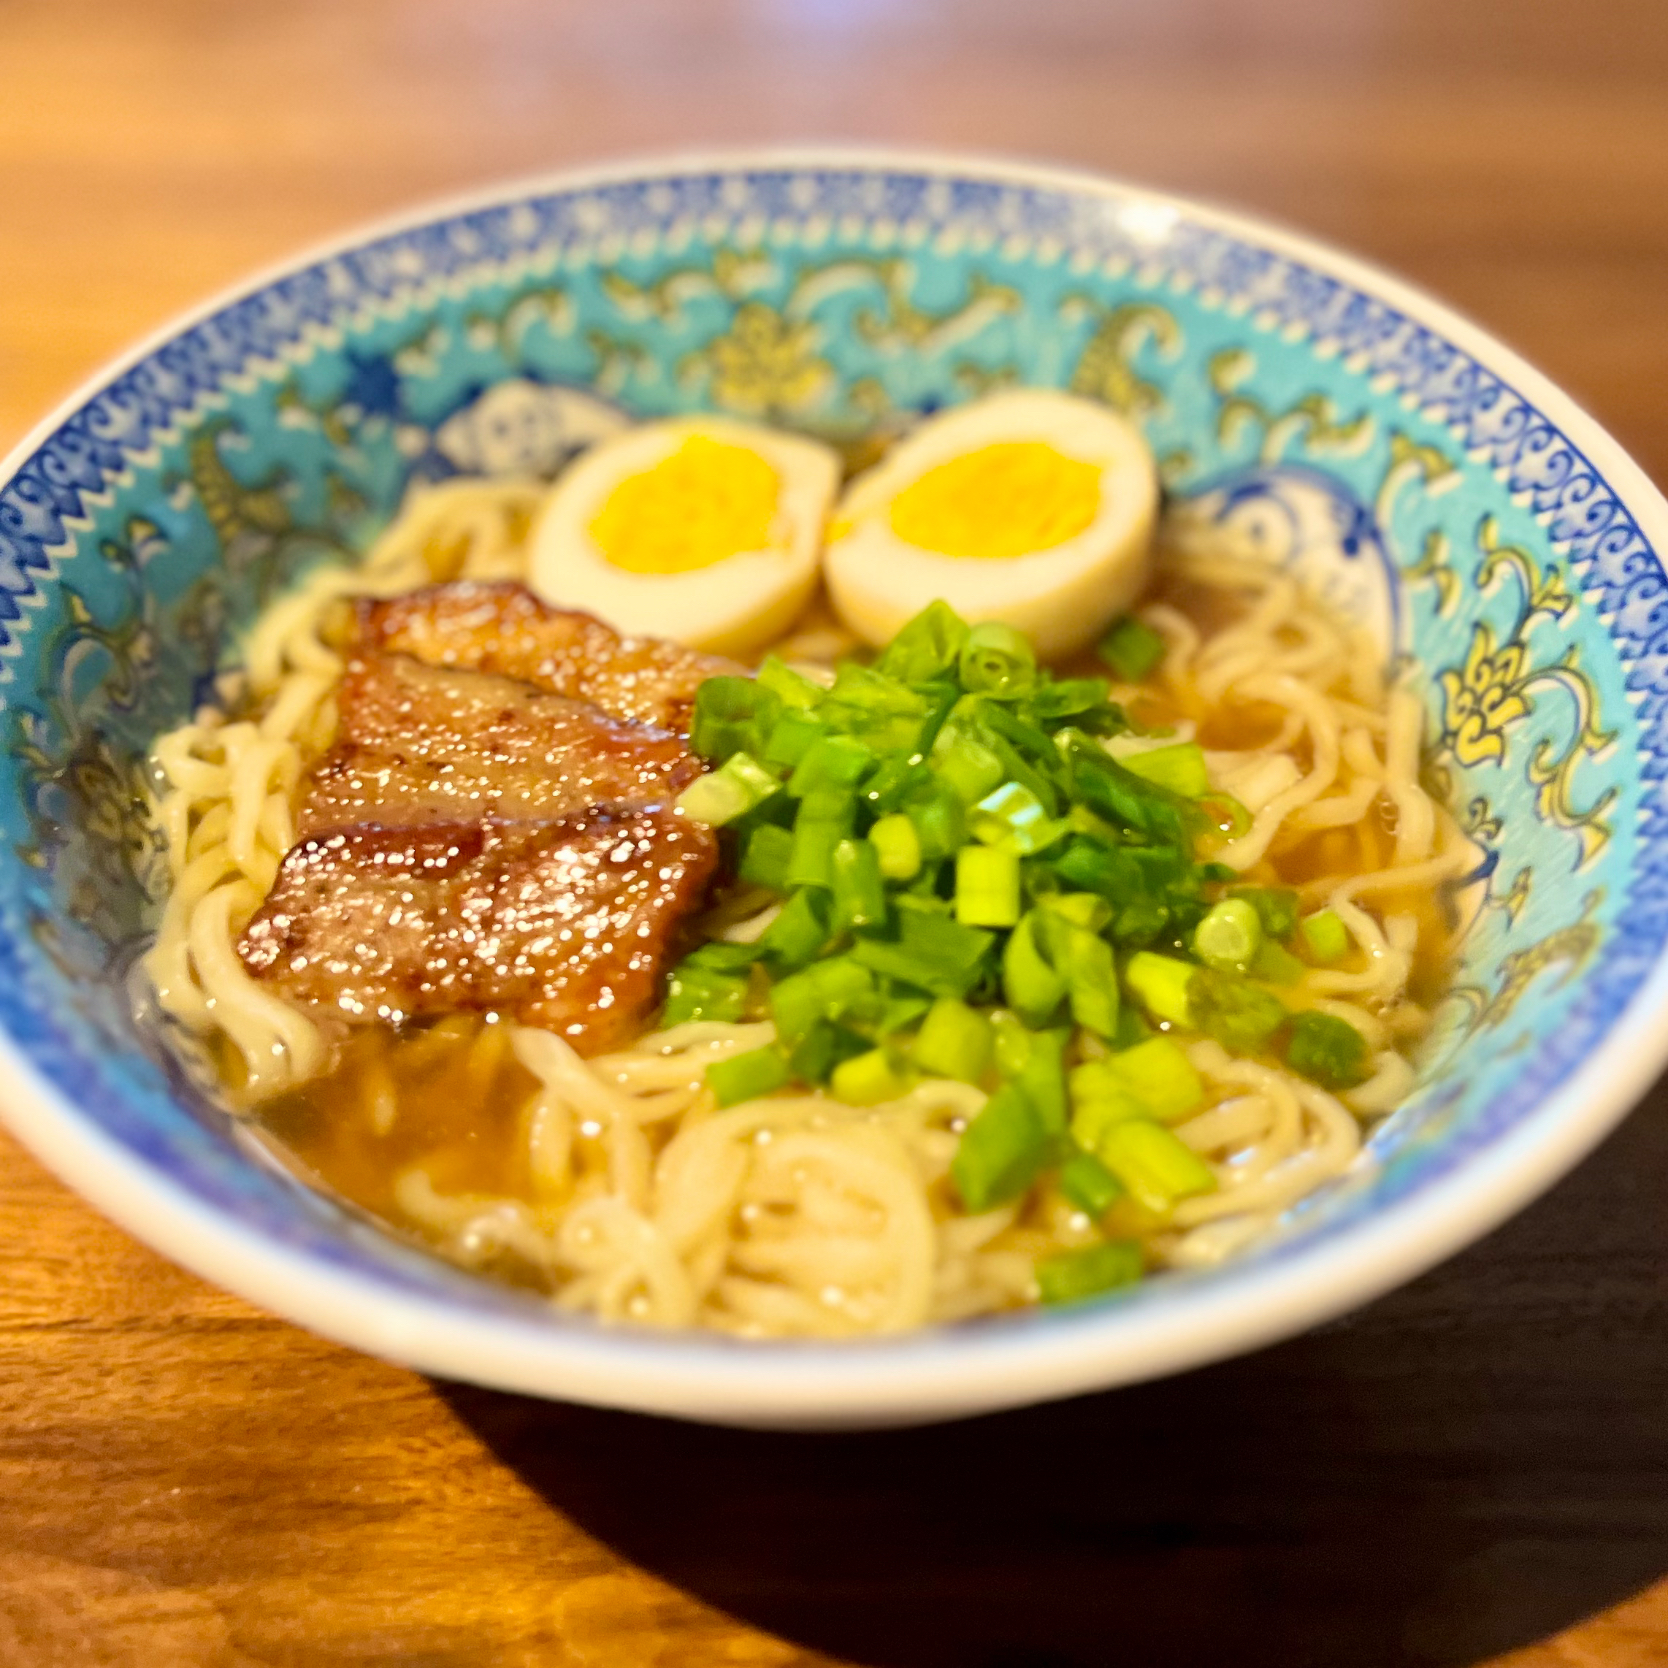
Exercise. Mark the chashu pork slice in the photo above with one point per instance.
(420, 744)
(564, 924)
(504, 628)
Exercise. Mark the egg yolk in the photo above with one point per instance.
(699, 504)
(1004, 500)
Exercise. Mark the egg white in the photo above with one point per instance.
(1063, 597)
(732, 606)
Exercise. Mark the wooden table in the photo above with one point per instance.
(1475, 1464)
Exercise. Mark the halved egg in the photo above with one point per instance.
(699, 529)
(1029, 506)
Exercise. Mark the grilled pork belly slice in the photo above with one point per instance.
(563, 924)
(503, 628)
(419, 744)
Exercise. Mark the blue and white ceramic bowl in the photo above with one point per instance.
(1424, 474)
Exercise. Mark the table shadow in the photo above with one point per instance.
(1474, 1462)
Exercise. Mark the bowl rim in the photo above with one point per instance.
(943, 1372)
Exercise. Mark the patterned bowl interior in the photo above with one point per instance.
(1308, 416)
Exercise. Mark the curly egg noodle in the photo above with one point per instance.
(622, 1190)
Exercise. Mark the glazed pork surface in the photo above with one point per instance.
(493, 827)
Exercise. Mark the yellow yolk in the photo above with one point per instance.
(1004, 500)
(703, 502)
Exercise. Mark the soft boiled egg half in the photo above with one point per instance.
(1031, 507)
(699, 529)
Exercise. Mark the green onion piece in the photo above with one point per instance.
(722, 795)
(822, 1048)
(901, 1012)
(1013, 1042)
(731, 715)
(1276, 908)
(1091, 981)
(695, 992)
(878, 710)
(1000, 1152)
(825, 990)
(1014, 815)
(824, 820)
(831, 764)
(1156, 1166)
(1088, 1184)
(898, 846)
(1327, 1050)
(1229, 936)
(859, 892)
(1132, 1027)
(1324, 935)
(1131, 648)
(1160, 1075)
(954, 1041)
(987, 886)
(965, 764)
(1030, 984)
(1238, 1014)
(1072, 1276)
(748, 1076)
(1275, 965)
(791, 737)
(794, 688)
(940, 823)
(1100, 1098)
(1226, 814)
(1082, 909)
(997, 660)
(868, 1079)
(1181, 768)
(927, 648)
(796, 937)
(764, 859)
(1041, 1078)
(1160, 984)
(934, 952)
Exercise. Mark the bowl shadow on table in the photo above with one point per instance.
(1471, 1464)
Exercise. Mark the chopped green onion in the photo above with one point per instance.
(791, 737)
(1014, 815)
(1324, 935)
(954, 1041)
(901, 1012)
(1229, 936)
(940, 823)
(997, 660)
(696, 992)
(1156, 1166)
(859, 892)
(868, 1079)
(1181, 768)
(1132, 1028)
(898, 846)
(1160, 984)
(831, 764)
(1041, 1078)
(1091, 980)
(825, 990)
(1088, 1184)
(1327, 1050)
(965, 764)
(1276, 908)
(934, 952)
(927, 648)
(731, 715)
(1275, 965)
(796, 937)
(794, 688)
(987, 886)
(1160, 1075)
(764, 858)
(748, 1076)
(1082, 909)
(824, 820)
(1013, 1042)
(722, 795)
(1000, 1152)
(1030, 984)
(1100, 1098)
(1072, 1276)
(1225, 813)
(822, 1048)
(1240, 1015)
(1131, 648)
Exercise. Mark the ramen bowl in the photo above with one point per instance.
(1318, 411)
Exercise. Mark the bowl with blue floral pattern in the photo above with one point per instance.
(1431, 482)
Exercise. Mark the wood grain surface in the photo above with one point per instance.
(1474, 1469)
